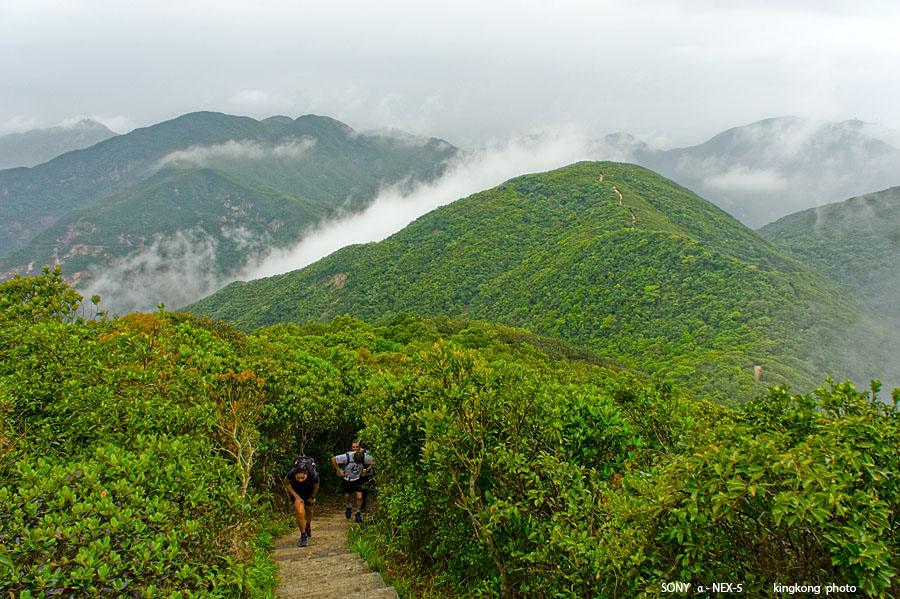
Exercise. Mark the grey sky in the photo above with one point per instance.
(674, 72)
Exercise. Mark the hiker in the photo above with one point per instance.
(367, 476)
(356, 464)
(365, 480)
(302, 484)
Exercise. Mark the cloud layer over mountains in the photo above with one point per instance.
(756, 172)
(765, 170)
(180, 269)
(234, 150)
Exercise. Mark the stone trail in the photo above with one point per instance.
(327, 568)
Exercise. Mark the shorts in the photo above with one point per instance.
(304, 492)
(352, 486)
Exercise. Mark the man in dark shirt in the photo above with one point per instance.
(302, 484)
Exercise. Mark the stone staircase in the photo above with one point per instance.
(327, 568)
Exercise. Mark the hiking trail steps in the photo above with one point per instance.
(622, 203)
(327, 568)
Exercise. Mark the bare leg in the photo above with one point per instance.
(301, 514)
(310, 511)
(358, 505)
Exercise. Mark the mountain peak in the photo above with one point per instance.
(41, 145)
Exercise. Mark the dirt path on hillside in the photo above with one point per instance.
(327, 568)
(622, 203)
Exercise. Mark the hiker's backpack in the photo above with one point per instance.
(306, 464)
(353, 470)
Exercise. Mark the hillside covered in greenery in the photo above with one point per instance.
(607, 256)
(238, 219)
(195, 176)
(855, 242)
(140, 456)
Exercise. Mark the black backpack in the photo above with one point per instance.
(306, 464)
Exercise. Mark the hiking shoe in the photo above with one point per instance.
(347, 513)
(358, 518)
(304, 540)
(308, 530)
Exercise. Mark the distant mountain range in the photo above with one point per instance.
(233, 186)
(771, 168)
(176, 209)
(40, 145)
(608, 256)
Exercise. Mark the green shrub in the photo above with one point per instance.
(801, 488)
(154, 521)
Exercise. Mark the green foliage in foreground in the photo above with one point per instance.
(510, 483)
(116, 475)
(139, 456)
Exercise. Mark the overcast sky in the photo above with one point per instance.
(670, 71)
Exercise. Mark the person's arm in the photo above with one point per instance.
(369, 462)
(337, 468)
(287, 487)
(315, 491)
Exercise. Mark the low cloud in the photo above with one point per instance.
(401, 137)
(116, 124)
(398, 205)
(177, 270)
(184, 268)
(234, 150)
(744, 179)
(20, 124)
(246, 240)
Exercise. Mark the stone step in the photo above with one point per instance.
(320, 562)
(370, 581)
(326, 568)
(380, 593)
(338, 571)
(312, 552)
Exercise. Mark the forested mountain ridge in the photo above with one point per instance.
(609, 256)
(235, 219)
(311, 157)
(855, 242)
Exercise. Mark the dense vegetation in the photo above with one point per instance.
(856, 243)
(505, 479)
(138, 456)
(658, 279)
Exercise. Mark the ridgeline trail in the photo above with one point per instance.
(327, 568)
(622, 203)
